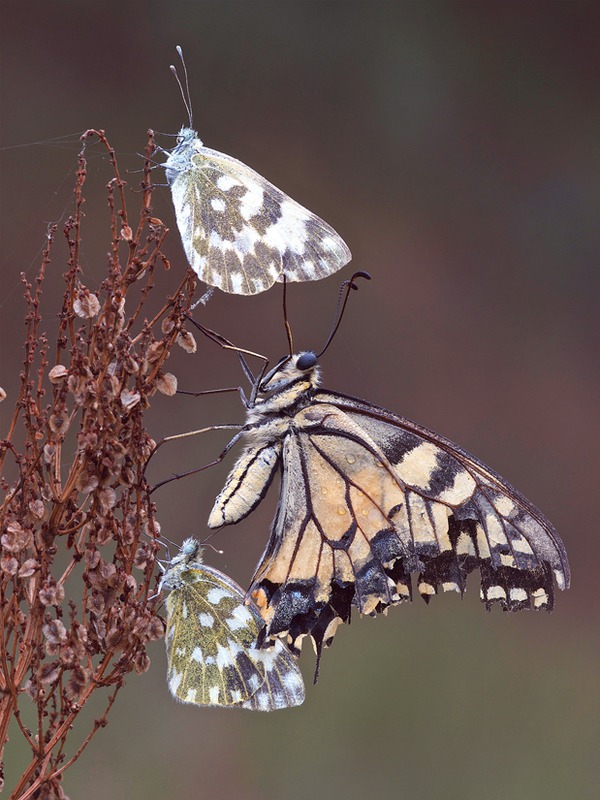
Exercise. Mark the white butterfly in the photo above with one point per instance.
(211, 638)
(239, 232)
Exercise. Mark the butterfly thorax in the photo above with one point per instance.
(180, 157)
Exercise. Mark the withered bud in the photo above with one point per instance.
(129, 399)
(37, 508)
(9, 564)
(28, 568)
(80, 634)
(2, 394)
(95, 604)
(54, 631)
(152, 527)
(59, 423)
(114, 636)
(107, 499)
(49, 453)
(186, 340)
(86, 305)
(126, 233)
(154, 351)
(87, 481)
(92, 558)
(167, 384)
(16, 538)
(68, 655)
(149, 628)
(141, 662)
(77, 681)
(48, 673)
(31, 689)
(167, 325)
(58, 373)
(51, 593)
(143, 556)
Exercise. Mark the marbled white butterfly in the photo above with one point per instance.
(212, 652)
(239, 232)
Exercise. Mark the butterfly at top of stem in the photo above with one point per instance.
(239, 232)
(211, 638)
(367, 499)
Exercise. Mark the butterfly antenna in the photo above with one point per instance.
(345, 289)
(206, 543)
(286, 322)
(185, 93)
(217, 338)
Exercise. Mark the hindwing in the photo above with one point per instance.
(367, 499)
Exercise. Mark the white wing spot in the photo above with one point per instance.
(175, 680)
(252, 202)
(224, 657)
(217, 204)
(215, 595)
(198, 655)
(241, 618)
(519, 595)
(226, 182)
(540, 597)
(206, 620)
(450, 586)
(236, 280)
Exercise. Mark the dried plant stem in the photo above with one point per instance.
(74, 486)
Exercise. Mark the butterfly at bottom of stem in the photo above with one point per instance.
(211, 638)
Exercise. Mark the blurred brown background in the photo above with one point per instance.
(455, 147)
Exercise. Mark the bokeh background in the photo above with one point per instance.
(454, 145)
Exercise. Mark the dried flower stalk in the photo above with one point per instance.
(71, 470)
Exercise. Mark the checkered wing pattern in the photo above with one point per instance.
(239, 232)
(211, 638)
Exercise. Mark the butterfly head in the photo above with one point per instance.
(189, 555)
(301, 369)
(179, 160)
(187, 136)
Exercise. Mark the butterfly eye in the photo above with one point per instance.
(306, 361)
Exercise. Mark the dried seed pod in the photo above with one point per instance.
(86, 305)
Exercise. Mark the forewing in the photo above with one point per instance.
(241, 234)
(213, 658)
(367, 499)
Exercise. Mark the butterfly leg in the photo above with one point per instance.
(217, 460)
